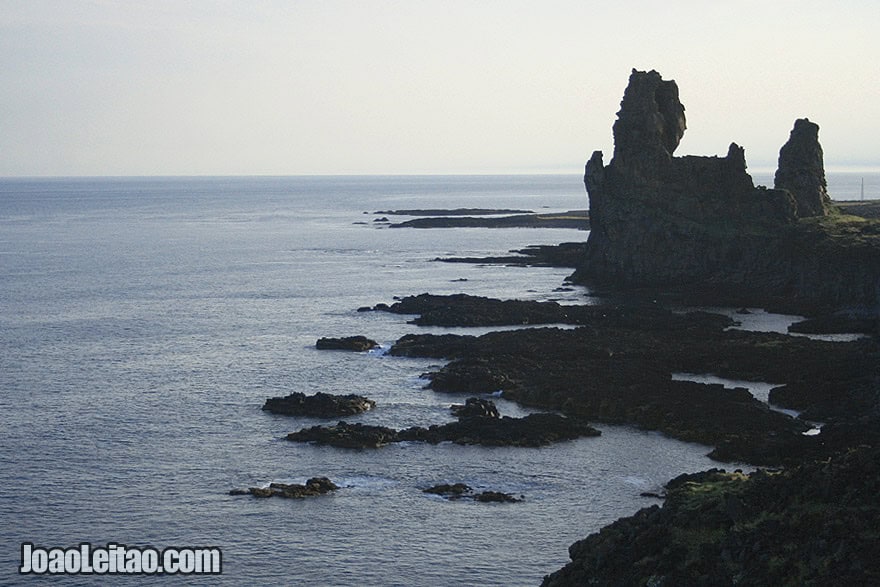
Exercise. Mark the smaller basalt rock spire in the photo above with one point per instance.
(802, 171)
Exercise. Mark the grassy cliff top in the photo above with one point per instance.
(844, 230)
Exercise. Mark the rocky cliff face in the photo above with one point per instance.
(657, 219)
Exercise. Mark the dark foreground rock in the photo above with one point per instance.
(802, 525)
(313, 487)
(462, 491)
(814, 524)
(320, 405)
(837, 324)
(347, 343)
(531, 431)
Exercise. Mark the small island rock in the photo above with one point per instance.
(347, 343)
(320, 405)
(464, 491)
(313, 487)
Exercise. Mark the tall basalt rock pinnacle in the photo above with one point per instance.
(650, 123)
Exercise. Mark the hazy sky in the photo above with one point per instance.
(194, 87)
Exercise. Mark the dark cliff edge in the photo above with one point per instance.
(698, 227)
(700, 224)
(814, 524)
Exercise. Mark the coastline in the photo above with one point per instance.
(665, 231)
(696, 224)
(570, 370)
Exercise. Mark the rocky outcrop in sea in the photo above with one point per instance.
(311, 488)
(700, 222)
(320, 405)
(357, 343)
(618, 366)
(478, 423)
(456, 491)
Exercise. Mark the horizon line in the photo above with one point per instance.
(858, 168)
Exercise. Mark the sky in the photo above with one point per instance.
(271, 87)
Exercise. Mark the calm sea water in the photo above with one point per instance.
(143, 322)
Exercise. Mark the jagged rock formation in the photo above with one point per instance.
(660, 220)
(657, 218)
(802, 170)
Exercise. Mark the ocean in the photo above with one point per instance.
(144, 321)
